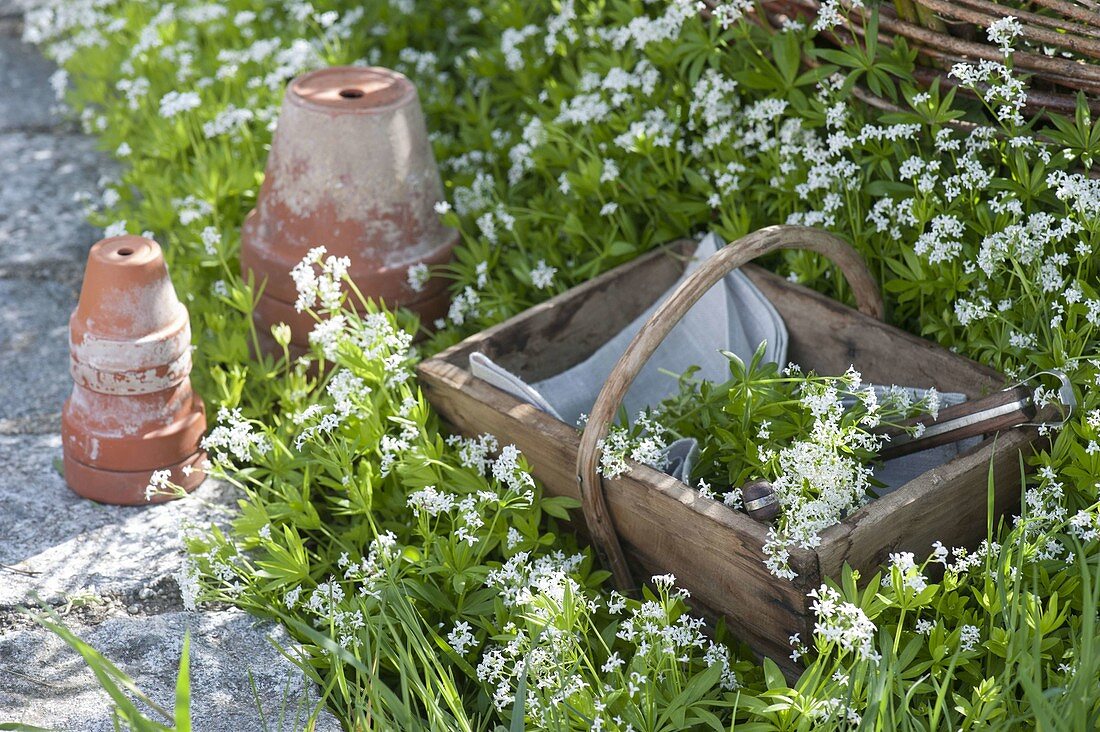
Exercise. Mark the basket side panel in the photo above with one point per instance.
(555, 335)
(666, 527)
(828, 336)
(947, 504)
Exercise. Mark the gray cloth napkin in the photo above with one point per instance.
(736, 317)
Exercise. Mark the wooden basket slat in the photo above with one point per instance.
(945, 504)
(828, 336)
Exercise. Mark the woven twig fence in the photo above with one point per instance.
(1059, 46)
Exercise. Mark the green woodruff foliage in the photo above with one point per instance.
(426, 580)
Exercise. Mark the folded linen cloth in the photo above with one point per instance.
(736, 317)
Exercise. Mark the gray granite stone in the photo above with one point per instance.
(27, 101)
(56, 545)
(16, 9)
(41, 225)
(34, 372)
(45, 683)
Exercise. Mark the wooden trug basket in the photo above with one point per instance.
(648, 521)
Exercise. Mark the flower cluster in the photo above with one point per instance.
(642, 442)
(235, 438)
(842, 624)
(319, 279)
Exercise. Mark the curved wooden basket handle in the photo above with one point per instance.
(649, 338)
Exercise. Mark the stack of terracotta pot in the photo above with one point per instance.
(350, 169)
(132, 410)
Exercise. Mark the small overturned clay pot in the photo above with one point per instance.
(350, 169)
(132, 410)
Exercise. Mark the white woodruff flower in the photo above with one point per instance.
(610, 171)
(969, 636)
(474, 452)
(910, 574)
(464, 306)
(322, 286)
(417, 276)
(59, 80)
(510, 41)
(969, 311)
(643, 30)
(211, 238)
(174, 103)
(728, 13)
(228, 120)
(829, 16)
(191, 209)
(508, 471)
(942, 242)
(818, 479)
(159, 484)
(1003, 32)
(843, 624)
(461, 637)
(235, 437)
(187, 578)
(542, 276)
(644, 442)
(997, 87)
(327, 333)
(431, 501)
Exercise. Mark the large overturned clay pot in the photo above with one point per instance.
(350, 169)
(132, 410)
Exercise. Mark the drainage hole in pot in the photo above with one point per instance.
(351, 93)
(125, 252)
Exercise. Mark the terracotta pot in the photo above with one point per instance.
(132, 410)
(350, 169)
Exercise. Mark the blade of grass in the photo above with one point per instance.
(183, 687)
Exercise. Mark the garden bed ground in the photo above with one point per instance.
(108, 570)
(431, 582)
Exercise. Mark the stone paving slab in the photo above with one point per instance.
(45, 683)
(16, 9)
(55, 544)
(26, 99)
(41, 225)
(34, 370)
